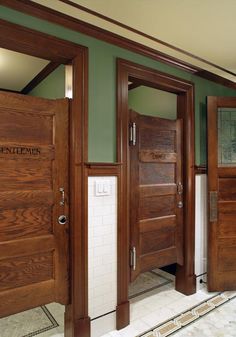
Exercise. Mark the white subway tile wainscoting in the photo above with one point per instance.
(102, 245)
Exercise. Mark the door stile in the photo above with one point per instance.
(61, 199)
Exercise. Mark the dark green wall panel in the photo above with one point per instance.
(102, 86)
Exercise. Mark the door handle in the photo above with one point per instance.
(62, 202)
(180, 204)
(179, 188)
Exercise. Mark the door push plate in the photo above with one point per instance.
(213, 206)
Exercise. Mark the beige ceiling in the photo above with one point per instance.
(205, 28)
(17, 70)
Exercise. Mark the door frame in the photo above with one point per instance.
(31, 42)
(185, 275)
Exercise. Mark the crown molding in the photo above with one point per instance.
(48, 14)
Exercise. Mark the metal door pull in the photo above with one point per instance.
(179, 188)
(62, 202)
(133, 258)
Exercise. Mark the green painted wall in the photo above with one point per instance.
(153, 102)
(102, 86)
(53, 86)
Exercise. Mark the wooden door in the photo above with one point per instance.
(221, 193)
(33, 172)
(156, 193)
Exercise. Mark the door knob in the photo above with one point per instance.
(180, 204)
(62, 219)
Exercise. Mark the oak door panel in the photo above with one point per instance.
(25, 270)
(38, 132)
(25, 222)
(25, 174)
(33, 168)
(156, 206)
(221, 193)
(156, 173)
(156, 223)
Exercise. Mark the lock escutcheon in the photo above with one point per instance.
(62, 219)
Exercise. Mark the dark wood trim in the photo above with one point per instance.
(77, 312)
(134, 85)
(9, 90)
(101, 165)
(48, 14)
(103, 169)
(34, 43)
(185, 90)
(207, 75)
(200, 169)
(122, 315)
(40, 77)
(24, 40)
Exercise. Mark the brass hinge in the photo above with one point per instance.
(213, 206)
(132, 134)
(133, 258)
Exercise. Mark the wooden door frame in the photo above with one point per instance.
(185, 276)
(31, 42)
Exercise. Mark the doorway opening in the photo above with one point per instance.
(37, 280)
(153, 224)
(31, 167)
(166, 252)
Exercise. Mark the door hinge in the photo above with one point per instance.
(133, 258)
(213, 206)
(132, 134)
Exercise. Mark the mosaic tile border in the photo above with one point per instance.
(168, 281)
(180, 321)
(53, 325)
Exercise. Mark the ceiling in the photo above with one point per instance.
(17, 70)
(204, 28)
(203, 31)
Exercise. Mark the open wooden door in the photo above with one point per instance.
(221, 193)
(156, 193)
(33, 195)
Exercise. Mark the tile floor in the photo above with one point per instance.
(155, 313)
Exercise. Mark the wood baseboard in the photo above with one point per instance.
(122, 315)
(77, 328)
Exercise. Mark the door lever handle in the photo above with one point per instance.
(179, 188)
(62, 202)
